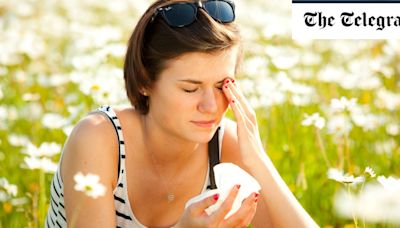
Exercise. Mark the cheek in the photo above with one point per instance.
(181, 103)
(168, 96)
(223, 102)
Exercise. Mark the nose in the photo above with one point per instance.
(208, 103)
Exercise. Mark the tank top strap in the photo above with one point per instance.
(214, 155)
(109, 112)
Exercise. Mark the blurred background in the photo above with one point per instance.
(327, 110)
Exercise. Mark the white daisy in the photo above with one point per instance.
(314, 119)
(44, 163)
(341, 177)
(370, 171)
(390, 183)
(89, 184)
(7, 190)
(343, 104)
(375, 204)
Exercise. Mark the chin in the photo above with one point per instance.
(202, 137)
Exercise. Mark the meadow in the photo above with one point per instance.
(328, 110)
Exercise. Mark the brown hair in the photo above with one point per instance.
(153, 43)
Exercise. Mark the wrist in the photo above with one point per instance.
(259, 164)
(253, 159)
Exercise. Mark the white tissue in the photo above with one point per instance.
(228, 175)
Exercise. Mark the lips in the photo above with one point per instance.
(204, 123)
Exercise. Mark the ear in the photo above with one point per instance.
(144, 92)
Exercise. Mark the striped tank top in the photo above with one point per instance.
(124, 216)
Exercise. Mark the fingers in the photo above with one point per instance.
(238, 111)
(244, 216)
(234, 93)
(253, 210)
(226, 206)
(243, 112)
(199, 207)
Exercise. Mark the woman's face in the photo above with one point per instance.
(187, 100)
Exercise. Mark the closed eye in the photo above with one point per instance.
(189, 91)
(194, 90)
(219, 86)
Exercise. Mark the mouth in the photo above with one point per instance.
(204, 123)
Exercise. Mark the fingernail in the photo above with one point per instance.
(233, 80)
(227, 81)
(237, 186)
(226, 87)
(232, 101)
(256, 197)
(216, 197)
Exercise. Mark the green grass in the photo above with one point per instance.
(294, 149)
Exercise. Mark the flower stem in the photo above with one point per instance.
(361, 189)
(340, 154)
(347, 153)
(42, 198)
(322, 147)
(352, 207)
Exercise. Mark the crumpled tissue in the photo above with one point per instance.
(228, 175)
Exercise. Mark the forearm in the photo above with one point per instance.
(284, 209)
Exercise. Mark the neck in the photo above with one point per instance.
(167, 149)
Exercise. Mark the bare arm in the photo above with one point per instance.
(282, 207)
(277, 206)
(91, 148)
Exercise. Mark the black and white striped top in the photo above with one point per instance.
(124, 215)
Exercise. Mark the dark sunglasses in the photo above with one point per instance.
(182, 14)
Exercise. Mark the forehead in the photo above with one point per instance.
(203, 66)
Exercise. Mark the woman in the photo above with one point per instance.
(153, 157)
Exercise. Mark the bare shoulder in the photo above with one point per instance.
(91, 148)
(129, 117)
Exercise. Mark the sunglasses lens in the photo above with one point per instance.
(180, 14)
(220, 10)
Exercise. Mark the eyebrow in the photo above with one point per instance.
(197, 82)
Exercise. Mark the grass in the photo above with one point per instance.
(296, 150)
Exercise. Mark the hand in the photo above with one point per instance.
(195, 215)
(250, 144)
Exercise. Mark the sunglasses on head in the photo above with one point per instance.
(181, 14)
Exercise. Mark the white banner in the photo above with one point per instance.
(345, 20)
